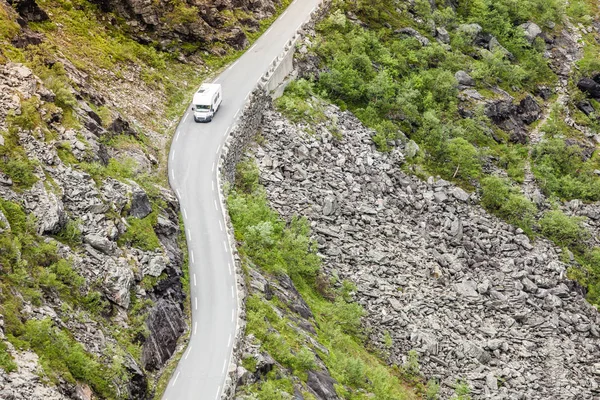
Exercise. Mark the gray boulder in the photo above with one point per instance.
(413, 33)
(464, 79)
(100, 243)
(48, 209)
(589, 86)
(118, 281)
(321, 383)
(156, 266)
(442, 35)
(166, 324)
(531, 31)
(140, 204)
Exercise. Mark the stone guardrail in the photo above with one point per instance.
(235, 144)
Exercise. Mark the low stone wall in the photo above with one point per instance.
(243, 132)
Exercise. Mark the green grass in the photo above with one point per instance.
(61, 356)
(140, 233)
(6, 360)
(276, 247)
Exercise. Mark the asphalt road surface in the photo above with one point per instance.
(193, 160)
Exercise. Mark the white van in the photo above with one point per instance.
(206, 102)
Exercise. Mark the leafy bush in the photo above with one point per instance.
(71, 233)
(21, 171)
(564, 230)
(561, 171)
(297, 103)
(500, 198)
(8, 26)
(61, 355)
(6, 360)
(140, 233)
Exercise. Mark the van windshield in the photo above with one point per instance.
(201, 107)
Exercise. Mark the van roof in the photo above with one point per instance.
(206, 92)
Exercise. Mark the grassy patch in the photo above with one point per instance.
(140, 233)
(277, 247)
(506, 201)
(6, 360)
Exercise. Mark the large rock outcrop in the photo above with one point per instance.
(207, 23)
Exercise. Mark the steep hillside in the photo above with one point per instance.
(445, 113)
(496, 98)
(92, 260)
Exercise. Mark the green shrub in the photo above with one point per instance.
(298, 104)
(506, 201)
(564, 230)
(462, 391)
(61, 355)
(6, 360)
(28, 119)
(8, 26)
(21, 171)
(561, 171)
(71, 232)
(247, 175)
(140, 233)
(464, 162)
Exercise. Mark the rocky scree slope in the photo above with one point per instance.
(472, 295)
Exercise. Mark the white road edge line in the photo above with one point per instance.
(173, 155)
(229, 341)
(220, 226)
(225, 245)
(236, 114)
(213, 185)
(218, 148)
(195, 327)
(269, 30)
(172, 174)
(194, 279)
(229, 264)
(184, 213)
(178, 194)
(218, 391)
(283, 15)
(192, 254)
(186, 117)
(196, 303)
(224, 365)
(188, 352)
(176, 376)
(232, 292)
(177, 136)
(213, 167)
(189, 235)
(232, 314)
(216, 207)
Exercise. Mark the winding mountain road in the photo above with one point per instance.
(193, 159)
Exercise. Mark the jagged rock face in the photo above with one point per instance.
(193, 21)
(514, 118)
(322, 385)
(64, 194)
(473, 296)
(29, 10)
(166, 323)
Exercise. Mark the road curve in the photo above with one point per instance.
(193, 159)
